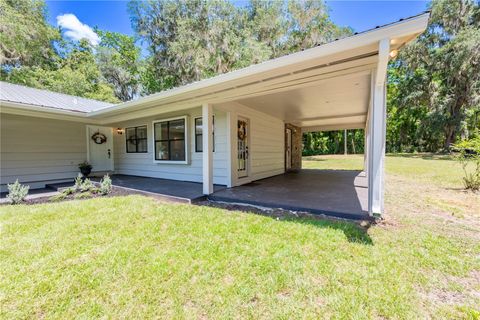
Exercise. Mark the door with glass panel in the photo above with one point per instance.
(243, 136)
(288, 149)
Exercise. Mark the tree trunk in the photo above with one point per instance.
(450, 134)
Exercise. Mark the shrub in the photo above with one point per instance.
(78, 182)
(105, 185)
(469, 158)
(83, 195)
(17, 192)
(87, 185)
(69, 191)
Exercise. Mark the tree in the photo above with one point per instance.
(76, 74)
(268, 24)
(118, 59)
(34, 54)
(193, 40)
(25, 36)
(309, 25)
(332, 142)
(440, 71)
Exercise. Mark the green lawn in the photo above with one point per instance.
(425, 167)
(133, 257)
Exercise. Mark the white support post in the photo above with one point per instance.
(230, 144)
(367, 139)
(207, 126)
(377, 133)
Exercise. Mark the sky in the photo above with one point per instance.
(78, 18)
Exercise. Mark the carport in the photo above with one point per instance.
(338, 193)
(340, 85)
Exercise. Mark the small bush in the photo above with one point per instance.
(87, 185)
(78, 182)
(68, 191)
(17, 192)
(105, 185)
(469, 157)
(83, 195)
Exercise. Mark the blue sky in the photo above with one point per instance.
(113, 15)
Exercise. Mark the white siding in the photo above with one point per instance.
(267, 142)
(142, 164)
(38, 150)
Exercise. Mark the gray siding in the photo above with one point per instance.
(36, 150)
(142, 164)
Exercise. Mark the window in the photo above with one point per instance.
(169, 136)
(199, 134)
(136, 139)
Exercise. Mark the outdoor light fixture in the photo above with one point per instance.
(393, 53)
(119, 130)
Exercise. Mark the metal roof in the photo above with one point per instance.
(48, 99)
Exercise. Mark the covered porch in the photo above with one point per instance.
(339, 85)
(338, 193)
(342, 85)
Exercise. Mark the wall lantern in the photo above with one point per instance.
(119, 130)
(393, 53)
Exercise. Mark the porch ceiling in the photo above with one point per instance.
(340, 102)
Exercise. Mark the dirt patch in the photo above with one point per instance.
(431, 203)
(453, 291)
(280, 214)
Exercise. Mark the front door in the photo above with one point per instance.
(100, 148)
(288, 149)
(243, 135)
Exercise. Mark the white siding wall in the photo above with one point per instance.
(36, 150)
(267, 142)
(142, 164)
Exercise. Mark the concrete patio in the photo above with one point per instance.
(339, 193)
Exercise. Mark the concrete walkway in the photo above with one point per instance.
(339, 193)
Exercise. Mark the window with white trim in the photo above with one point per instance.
(170, 140)
(199, 134)
(136, 139)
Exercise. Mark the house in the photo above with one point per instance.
(228, 130)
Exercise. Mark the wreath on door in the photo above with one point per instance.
(242, 130)
(99, 138)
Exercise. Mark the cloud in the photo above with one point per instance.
(76, 30)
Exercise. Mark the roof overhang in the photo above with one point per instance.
(44, 112)
(348, 58)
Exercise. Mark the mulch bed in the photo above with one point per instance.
(116, 192)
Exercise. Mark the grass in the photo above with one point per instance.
(133, 257)
(419, 167)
